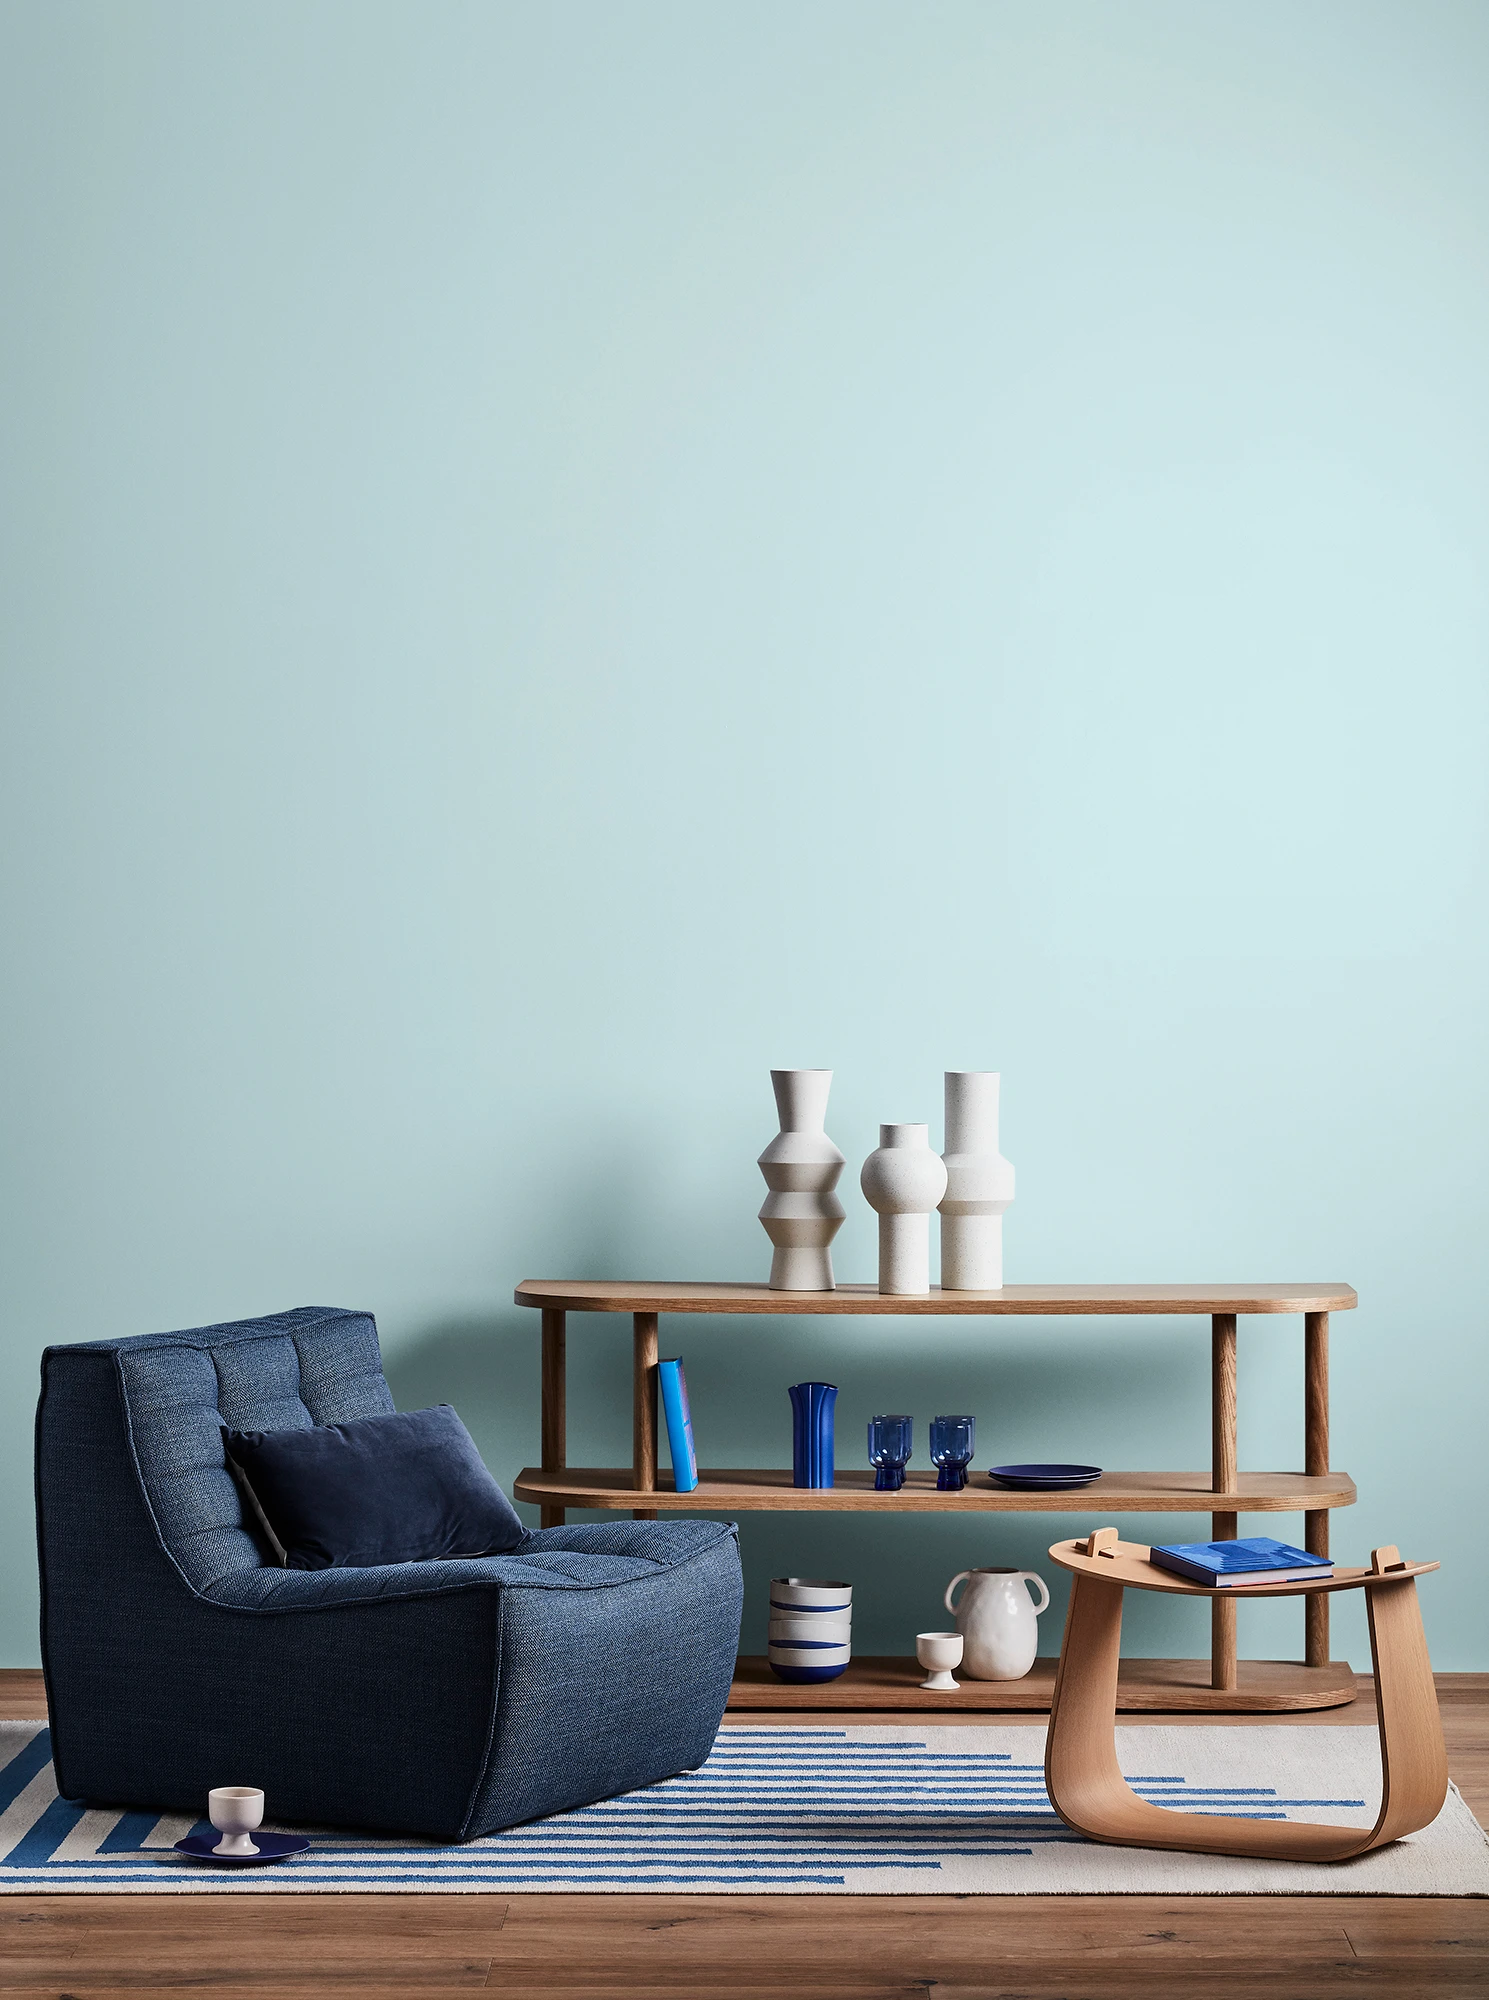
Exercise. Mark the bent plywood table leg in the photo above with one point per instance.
(1413, 1756)
(1085, 1781)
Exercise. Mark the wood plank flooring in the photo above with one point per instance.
(771, 1947)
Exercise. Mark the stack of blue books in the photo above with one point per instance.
(1224, 1565)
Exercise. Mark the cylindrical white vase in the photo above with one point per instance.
(903, 1181)
(979, 1185)
(801, 1214)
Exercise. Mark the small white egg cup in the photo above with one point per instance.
(939, 1652)
(236, 1811)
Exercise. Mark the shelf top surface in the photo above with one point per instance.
(627, 1295)
(1129, 1563)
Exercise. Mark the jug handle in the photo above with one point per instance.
(1028, 1576)
(961, 1577)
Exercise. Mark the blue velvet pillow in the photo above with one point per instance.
(403, 1488)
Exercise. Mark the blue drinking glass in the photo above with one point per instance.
(953, 1441)
(889, 1451)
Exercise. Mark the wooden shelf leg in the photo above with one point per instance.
(644, 1412)
(555, 1406)
(1223, 1473)
(1316, 1460)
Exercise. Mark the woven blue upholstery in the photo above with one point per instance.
(445, 1698)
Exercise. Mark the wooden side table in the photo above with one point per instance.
(1223, 1491)
(1085, 1782)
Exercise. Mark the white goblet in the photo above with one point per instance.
(939, 1652)
(235, 1810)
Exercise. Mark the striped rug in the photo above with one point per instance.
(869, 1811)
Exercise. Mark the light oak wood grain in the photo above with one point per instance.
(745, 1489)
(769, 1948)
(1129, 1563)
(893, 1684)
(1084, 1778)
(855, 1947)
(613, 1295)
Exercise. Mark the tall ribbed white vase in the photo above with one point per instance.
(903, 1181)
(979, 1185)
(801, 1214)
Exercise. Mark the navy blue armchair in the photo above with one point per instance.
(445, 1698)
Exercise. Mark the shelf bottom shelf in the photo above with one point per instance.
(1168, 1686)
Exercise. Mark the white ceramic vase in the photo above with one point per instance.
(801, 1214)
(903, 1181)
(979, 1185)
(998, 1623)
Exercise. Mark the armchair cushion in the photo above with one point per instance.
(590, 1557)
(399, 1488)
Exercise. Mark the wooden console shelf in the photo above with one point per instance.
(1224, 1493)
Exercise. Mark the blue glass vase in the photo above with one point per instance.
(811, 1433)
(890, 1441)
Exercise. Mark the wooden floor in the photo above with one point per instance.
(772, 1947)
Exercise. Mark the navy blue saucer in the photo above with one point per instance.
(1043, 1478)
(271, 1846)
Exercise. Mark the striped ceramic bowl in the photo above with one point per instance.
(814, 1631)
(808, 1663)
(808, 1593)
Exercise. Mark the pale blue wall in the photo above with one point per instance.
(561, 555)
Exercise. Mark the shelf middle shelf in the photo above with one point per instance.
(769, 1488)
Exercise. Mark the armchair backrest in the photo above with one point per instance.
(169, 1396)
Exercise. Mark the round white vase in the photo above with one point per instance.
(903, 1181)
(979, 1185)
(801, 1214)
(997, 1621)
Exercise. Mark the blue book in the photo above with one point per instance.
(1226, 1564)
(674, 1387)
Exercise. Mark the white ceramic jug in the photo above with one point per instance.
(997, 1621)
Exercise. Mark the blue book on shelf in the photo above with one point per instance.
(1256, 1560)
(674, 1385)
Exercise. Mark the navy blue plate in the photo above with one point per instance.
(271, 1846)
(1043, 1478)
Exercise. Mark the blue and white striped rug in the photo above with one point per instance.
(947, 1810)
